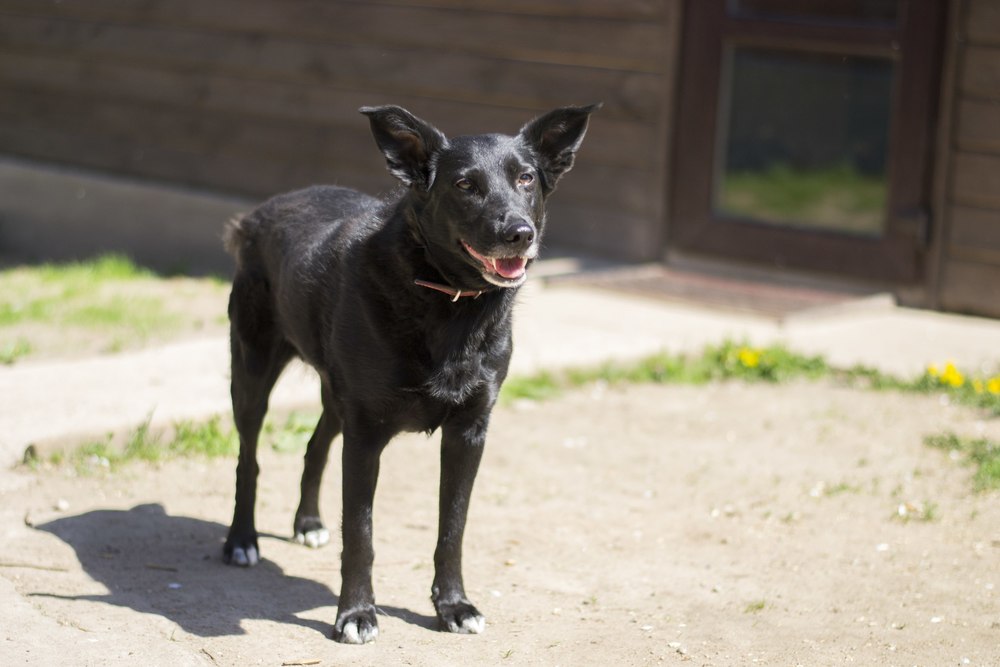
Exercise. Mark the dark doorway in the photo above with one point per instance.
(804, 133)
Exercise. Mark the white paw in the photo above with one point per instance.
(473, 625)
(245, 557)
(313, 538)
(352, 635)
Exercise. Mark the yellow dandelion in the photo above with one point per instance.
(951, 376)
(749, 358)
(993, 386)
(933, 370)
(977, 386)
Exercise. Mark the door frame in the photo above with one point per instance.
(914, 45)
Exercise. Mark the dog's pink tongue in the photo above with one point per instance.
(511, 267)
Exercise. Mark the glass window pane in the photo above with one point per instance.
(838, 11)
(803, 140)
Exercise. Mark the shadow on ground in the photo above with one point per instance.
(155, 563)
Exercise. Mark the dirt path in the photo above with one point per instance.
(720, 525)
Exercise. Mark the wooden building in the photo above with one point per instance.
(858, 139)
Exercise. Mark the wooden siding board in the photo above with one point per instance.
(638, 9)
(982, 24)
(257, 97)
(974, 228)
(613, 142)
(971, 287)
(976, 180)
(230, 153)
(634, 10)
(244, 155)
(606, 231)
(981, 72)
(978, 126)
(629, 95)
(608, 43)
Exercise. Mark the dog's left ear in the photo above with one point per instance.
(408, 143)
(555, 137)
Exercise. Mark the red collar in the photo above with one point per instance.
(455, 294)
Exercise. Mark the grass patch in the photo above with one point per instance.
(100, 305)
(728, 361)
(52, 292)
(291, 436)
(981, 453)
(840, 197)
(771, 364)
(11, 351)
(212, 438)
(755, 607)
(208, 439)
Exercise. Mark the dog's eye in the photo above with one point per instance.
(465, 185)
(525, 179)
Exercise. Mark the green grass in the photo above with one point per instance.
(12, 351)
(208, 439)
(728, 361)
(100, 305)
(982, 454)
(770, 364)
(81, 295)
(839, 197)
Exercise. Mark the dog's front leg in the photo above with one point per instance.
(356, 622)
(462, 442)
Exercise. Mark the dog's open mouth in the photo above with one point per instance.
(502, 271)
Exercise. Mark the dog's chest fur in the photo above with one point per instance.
(454, 359)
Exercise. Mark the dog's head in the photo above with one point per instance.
(480, 199)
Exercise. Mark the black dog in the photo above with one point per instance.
(404, 308)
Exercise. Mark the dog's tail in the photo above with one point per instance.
(235, 237)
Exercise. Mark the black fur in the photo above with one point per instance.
(328, 274)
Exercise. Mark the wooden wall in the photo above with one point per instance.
(253, 97)
(970, 266)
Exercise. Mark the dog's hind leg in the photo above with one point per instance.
(258, 357)
(309, 528)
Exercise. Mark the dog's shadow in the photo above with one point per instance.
(155, 563)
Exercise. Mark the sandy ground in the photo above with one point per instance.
(720, 525)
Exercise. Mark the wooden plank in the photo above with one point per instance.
(246, 155)
(161, 10)
(980, 75)
(978, 126)
(577, 40)
(611, 141)
(603, 230)
(206, 150)
(976, 180)
(982, 23)
(974, 228)
(971, 287)
(476, 79)
(588, 8)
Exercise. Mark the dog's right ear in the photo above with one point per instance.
(408, 143)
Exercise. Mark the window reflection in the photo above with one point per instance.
(803, 140)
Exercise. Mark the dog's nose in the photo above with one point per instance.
(519, 233)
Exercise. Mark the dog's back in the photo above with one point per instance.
(288, 254)
(297, 224)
